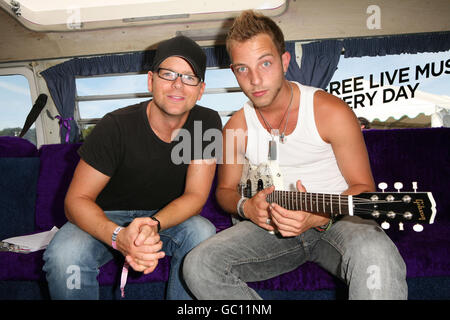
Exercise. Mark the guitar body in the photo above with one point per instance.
(265, 174)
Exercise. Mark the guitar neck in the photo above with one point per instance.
(333, 204)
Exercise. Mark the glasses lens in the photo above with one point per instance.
(167, 74)
(172, 76)
(190, 80)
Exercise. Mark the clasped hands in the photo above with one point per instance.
(273, 217)
(141, 245)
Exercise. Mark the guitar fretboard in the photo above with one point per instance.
(333, 204)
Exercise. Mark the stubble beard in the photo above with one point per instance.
(262, 106)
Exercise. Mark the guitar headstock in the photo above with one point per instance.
(400, 207)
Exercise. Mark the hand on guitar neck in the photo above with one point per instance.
(273, 217)
(291, 223)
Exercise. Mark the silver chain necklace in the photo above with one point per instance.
(275, 131)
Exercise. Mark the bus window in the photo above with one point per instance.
(222, 93)
(99, 95)
(15, 104)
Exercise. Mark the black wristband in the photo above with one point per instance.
(159, 223)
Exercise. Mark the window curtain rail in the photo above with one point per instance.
(397, 44)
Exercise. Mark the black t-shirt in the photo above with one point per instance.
(145, 173)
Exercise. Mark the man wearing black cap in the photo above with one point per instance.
(130, 191)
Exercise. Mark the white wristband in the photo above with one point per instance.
(114, 237)
(240, 207)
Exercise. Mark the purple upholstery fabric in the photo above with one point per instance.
(58, 162)
(20, 266)
(16, 147)
(421, 155)
(110, 273)
(212, 211)
(406, 155)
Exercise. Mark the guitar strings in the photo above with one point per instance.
(290, 199)
(298, 195)
(314, 207)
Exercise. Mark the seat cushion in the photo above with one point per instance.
(58, 162)
(16, 147)
(17, 195)
(21, 266)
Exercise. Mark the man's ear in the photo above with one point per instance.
(150, 81)
(202, 89)
(285, 59)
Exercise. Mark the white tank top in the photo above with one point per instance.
(304, 155)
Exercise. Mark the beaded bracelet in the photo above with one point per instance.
(325, 227)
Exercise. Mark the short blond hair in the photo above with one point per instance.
(249, 24)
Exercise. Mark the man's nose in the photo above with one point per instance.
(255, 77)
(177, 83)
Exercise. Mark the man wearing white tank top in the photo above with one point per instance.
(316, 140)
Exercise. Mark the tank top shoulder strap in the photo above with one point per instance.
(306, 124)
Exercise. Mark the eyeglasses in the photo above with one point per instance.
(170, 75)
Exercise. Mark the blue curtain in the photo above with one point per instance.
(408, 43)
(318, 63)
(217, 57)
(61, 85)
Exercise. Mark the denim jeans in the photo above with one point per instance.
(355, 250)
(73, 251)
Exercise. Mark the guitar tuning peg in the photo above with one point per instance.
(414, 184)
(385, 225)
(400, 226)
(398, 186)
(418, 227)
(382, 186)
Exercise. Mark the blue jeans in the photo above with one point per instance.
(355, 250)
(73, 252)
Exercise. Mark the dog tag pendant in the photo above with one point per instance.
(273, 145)
(272, 150)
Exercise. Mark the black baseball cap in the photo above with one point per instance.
(183, 47)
